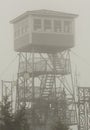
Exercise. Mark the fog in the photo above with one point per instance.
(80, 53)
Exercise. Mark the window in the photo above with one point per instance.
(67, 26)
(17, 33)
(47, 25)
(37, 25)
(22, 30)
(26, 28)
(57, 26)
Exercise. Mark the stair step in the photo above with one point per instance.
(49, 81)
(50, 77)
(49, 84)
(46, 91)
(45, 94)
(48, 88)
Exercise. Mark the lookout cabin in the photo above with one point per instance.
(44, 31)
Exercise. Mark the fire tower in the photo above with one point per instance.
(43, 39)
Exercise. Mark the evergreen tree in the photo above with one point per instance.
(9, 120)
(19, 119)
(58, 125)
(6, 114)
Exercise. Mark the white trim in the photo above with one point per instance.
(33, 18)
(69, 20)
(52, 25)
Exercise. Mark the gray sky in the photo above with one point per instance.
(10, 9)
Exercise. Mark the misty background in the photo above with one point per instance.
(80, 54)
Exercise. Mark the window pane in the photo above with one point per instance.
(67, 26)
(37, 24)
(47, 25)
(22, 30)
(26, 28)
(17, 33)
(57, 26)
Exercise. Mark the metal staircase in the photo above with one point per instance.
(57, 62)
(47, 86)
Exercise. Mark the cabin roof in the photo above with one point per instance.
(44, 12)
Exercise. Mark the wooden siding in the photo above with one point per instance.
(21, 42)
(52, 39)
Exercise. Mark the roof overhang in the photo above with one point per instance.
(43, 12)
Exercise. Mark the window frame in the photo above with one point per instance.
(62, 19)
(51, 25)
(71, 27)
(33, 24)
(58, 19)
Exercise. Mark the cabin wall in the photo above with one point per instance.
(43, 31)
(22, 33)
(48, 39)
(59, 25)
(59, 32)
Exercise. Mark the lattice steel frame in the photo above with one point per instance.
(27, 91)
(9, 91)
(84, 108)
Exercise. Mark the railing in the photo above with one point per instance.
(38, 66)
(63, 66)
